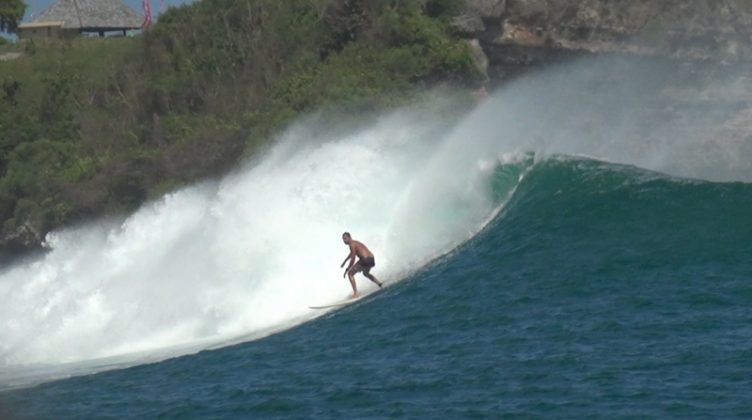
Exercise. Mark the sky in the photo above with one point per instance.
(33, 7)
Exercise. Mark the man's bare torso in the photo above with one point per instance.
(360, 250)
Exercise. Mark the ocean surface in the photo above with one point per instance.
(523, 282)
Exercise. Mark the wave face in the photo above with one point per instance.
(243, 257)
(641, 218)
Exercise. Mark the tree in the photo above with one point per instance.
(11, 12)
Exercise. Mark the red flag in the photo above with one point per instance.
(147, 14)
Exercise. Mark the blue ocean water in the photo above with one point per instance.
(600, 290)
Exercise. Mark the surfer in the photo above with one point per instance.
(365, 261)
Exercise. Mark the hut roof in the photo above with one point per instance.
(90, 15)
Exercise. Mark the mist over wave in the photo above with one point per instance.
(245, 256)
(637, 111)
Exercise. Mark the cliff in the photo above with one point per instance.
(517, 34)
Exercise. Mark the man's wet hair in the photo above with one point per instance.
(347, 234)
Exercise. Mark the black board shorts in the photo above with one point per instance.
(367, 262)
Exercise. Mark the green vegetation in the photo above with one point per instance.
(96, 126)
(11, 12)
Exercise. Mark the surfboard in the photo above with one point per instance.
(347, 301)
(336, 304)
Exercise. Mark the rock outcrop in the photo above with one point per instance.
(519, 33)
(22, 241)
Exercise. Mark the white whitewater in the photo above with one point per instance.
(238, 258)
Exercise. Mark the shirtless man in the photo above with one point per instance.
(365, 261)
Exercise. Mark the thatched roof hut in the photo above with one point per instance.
(79, 16)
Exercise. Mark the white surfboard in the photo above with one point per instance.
(347, 301)
(341, 303)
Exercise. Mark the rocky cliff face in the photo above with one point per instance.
(520, 33)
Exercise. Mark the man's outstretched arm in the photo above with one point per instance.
(349, 256)
(352, 262)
